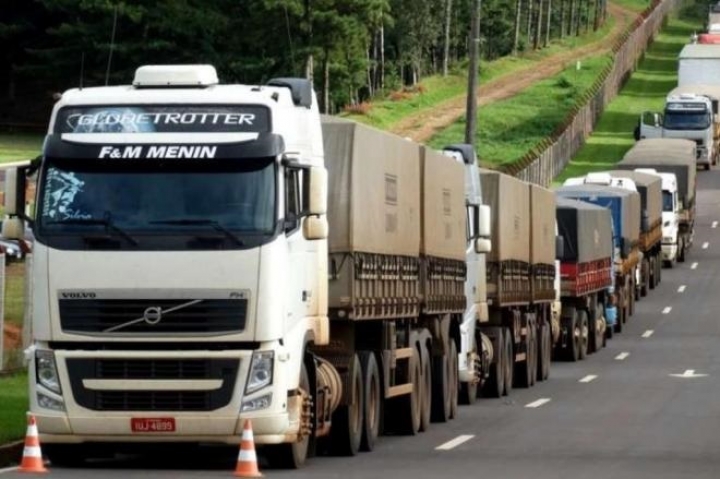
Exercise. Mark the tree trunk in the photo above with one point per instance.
(382, 55)
(562, 18)
(446, 46)
(369, 70)
(518, 19)
(471, 106)
(547, 23)
(529, 21)
(326, 81)
(309, 63)
(538, 24)
(573, 14)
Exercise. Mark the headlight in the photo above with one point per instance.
(261, 371)
(668, 239)
(258, 403)
(46, 371)
(49, 403)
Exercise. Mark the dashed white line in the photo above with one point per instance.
(682, 288)
(714, 224)
(705, 245)
(538, 403)
(694, 266)
(667, 310)
(622, 356)
(454, 442)
(648, 333)
(588, 378)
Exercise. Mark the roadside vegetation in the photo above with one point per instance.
(13, 407)
(508, 129)
(645, 91)
(19, 146)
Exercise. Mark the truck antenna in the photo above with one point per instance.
(82, 69)
(112, 45)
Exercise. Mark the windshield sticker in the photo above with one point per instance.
(62, 189)
(163, 119)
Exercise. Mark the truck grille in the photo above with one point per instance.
(134, 369)
(153, 317)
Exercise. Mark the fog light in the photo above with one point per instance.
(258, 403)
(49, 403)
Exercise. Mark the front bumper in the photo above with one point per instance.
(669, 251)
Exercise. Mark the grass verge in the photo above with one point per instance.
(13, 406)
(15, 293)
(645, 91)
(508, 129)
(19, 146)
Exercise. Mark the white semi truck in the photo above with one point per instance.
(194, 243)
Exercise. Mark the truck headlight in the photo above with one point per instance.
(258, 403)
(261, 371)
(46, 370)
(668, 239)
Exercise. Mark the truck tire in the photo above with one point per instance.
(524, 370)
(547, 339)
(631, 303)
(426, 396)
(573, 346)
(373, 401)
(291, 455)
(584, 333)
(646, 275)
(681, 252)
(494, 385)
(652, 280)
(454, 379)
(65, 455)
(347, 420)
(540, 351)
(403, 412)
(658, 269)
(509, 361)
(468, 392)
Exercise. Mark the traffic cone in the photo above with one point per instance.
(247, 464)
(32, 455)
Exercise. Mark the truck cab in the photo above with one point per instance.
(671, 212)
(686, 115)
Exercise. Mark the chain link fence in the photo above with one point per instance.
(548, 159)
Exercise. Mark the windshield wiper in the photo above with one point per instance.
(96, 221)
(190, 222)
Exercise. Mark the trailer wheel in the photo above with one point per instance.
(403, 412)
(509, 361)
(658, 269)
(292, 455)
(426, 396)
(584, 333)
(533, 352)
(540, 351)
(494, 385)
(573, 350)
(547, 339)
(599, 336)
(631, 303)
(441, 386)
(454, 379)
(646, 277)
(347, 420)
(681, 252)
(373, 401)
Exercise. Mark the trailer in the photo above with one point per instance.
(674, 161)
(587, 279)
(624, 206)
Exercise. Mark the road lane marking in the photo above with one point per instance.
(622, 356)
(681, 289)
(454, 442)
(588, 378)
(689, 373)
(705, 245)
(714, 224)
(694, 266)
(667, 310)
(538, 403)
(648, 333)
(8, 469)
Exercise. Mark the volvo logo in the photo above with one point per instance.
(153, 315)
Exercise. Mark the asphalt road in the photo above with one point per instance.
(618, 414)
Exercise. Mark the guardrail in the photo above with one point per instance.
(548, 159)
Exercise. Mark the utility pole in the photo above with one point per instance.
(471, 109)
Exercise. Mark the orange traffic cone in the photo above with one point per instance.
(247, 465)
(32, 455)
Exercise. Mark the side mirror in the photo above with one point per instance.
(317, 191)
(644, 221)
(483, 245)
(14, 192)
(559, 247)
(13, 228)
(484, 221)
(315, 227)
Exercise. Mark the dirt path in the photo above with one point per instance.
(423, 125)
(12, 337)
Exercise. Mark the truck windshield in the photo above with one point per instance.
(667, 201)
(686, 120)
(227, 199)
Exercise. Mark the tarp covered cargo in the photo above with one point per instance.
(624, 206)
(650, 189)
(666, 155)
(443, 222)
(508, 198)
(373, 189)
(586, 230)
(542, 225)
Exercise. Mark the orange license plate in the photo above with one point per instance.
(155, 424)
